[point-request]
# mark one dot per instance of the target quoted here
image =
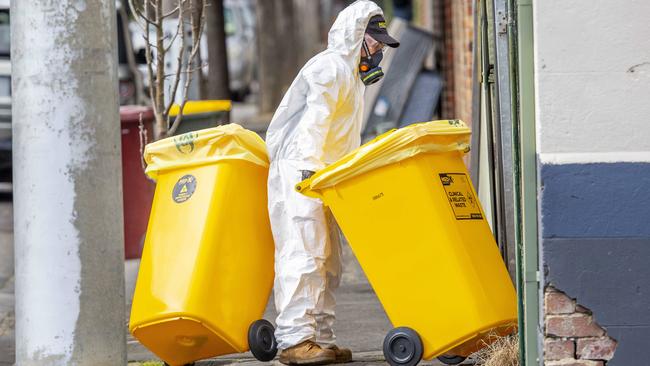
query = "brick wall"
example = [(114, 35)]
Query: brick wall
[(444, 12), (456, 59), (463, 38), (571, 336)]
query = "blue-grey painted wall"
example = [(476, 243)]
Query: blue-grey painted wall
[(596, 246)]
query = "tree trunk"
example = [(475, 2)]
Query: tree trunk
[(308, 32), (278, 62), (218, 81), (287, 43)]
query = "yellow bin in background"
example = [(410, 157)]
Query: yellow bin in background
[(207, 266), (406, 204)]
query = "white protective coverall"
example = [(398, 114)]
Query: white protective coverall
[(318, 121)]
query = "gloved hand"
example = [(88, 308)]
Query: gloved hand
[(306, 174)]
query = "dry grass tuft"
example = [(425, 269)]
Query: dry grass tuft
[(147, 363), (503, 351)]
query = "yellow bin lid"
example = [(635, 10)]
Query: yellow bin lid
[(227, 142), (201, 106), (391, 147)]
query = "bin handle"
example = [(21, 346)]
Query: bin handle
[(304, 188)]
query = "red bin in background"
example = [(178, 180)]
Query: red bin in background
[(137, 188)]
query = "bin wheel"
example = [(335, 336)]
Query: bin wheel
[(261, 340), (403, 347), (451, 360)]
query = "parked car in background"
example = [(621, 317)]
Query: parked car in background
[(239, 23)]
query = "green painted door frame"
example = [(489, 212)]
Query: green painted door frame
[(526, 183), (515, 17)]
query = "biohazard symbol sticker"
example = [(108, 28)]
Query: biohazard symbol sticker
[(460, 196), (184, 188)]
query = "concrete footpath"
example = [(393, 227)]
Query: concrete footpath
[(361, 321)]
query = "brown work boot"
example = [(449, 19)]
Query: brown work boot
[(307, 353), (343, 355)]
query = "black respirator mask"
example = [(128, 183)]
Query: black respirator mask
[(369, 69)]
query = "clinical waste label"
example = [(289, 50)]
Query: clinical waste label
[(460, 196), (184, 188)]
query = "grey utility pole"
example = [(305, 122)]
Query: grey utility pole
[(69, 251)]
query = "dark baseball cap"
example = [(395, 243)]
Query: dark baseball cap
[(377, 29)]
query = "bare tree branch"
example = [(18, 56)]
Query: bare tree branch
[(139, 14), (159, 103), (188, 71), (137, 17), (179, 66), (173, 39), (197, 31), (196, 19), (156, 41), (172, 12), (142, 133), (150, 73)]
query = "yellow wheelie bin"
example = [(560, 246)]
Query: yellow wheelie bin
[(207, 267), (407, 206)]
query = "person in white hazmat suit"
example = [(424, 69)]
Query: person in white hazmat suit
[(318, 121)]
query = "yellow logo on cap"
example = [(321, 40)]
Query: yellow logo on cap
[(382, 24)]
